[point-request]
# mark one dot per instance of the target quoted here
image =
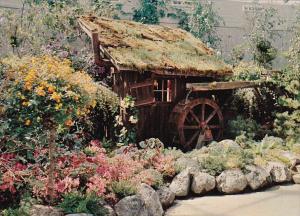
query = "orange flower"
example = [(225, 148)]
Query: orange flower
[(27, 122), (69, 123), (51, 89)]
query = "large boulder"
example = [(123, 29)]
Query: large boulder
[(257, 177), (296, 178), (166, 197), (231, 181), (131, 206), (151, 199), (279, 172), (181, 183), (38, 210), (202, 183)]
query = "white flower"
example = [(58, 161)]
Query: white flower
[(133, 120)]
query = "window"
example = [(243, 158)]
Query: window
[(143, 93), (163, 90)]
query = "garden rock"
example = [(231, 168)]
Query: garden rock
[(231, 181), (202, 183), (257, 177), (296, 178), (38, 210), (80, 214), (110, 210), (151, 200), (166, 197), (279, 172), (185, 162), (293, 159), (131, 206), (228, 144), (181, 183), (297, 168)]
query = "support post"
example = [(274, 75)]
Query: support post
[(96, 48)]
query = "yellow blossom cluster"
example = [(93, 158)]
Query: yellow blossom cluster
[(51, 82)]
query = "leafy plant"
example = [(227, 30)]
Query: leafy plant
[(247, 127), (123, 188), (126, 122), (149, 12), (220, 158), (287, 123), (77, 203)]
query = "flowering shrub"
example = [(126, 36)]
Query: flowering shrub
[(90, 171), (126, 122), (39, 90)]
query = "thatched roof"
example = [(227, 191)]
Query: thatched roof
[(159, 49)]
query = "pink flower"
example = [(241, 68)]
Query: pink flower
[(96, 184)]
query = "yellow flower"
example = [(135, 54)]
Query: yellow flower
[(57, 97), (27, 122), (69, 123), (58, 106), (94, 103), (25, 103), (40, 91)]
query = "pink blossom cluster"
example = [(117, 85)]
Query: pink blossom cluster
[(90, 170)]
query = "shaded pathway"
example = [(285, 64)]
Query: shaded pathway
[(276, 201)]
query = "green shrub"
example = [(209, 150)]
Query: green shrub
[(219, 159), (123, 188), (240, 126), (78, 203)]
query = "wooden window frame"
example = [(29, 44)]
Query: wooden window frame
[(143, 93), (170, 90)]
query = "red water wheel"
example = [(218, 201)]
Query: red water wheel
[(197, 122)]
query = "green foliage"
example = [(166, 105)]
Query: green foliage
[(123, 188), (287, 123), (150, 12), (220, 158), (240, 125), (42, 28), (247, 71), (264, 53), (22, 210), (268, 143), (203, 22), (259, 37), (77, 203)]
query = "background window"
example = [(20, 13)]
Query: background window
[(163, 90)]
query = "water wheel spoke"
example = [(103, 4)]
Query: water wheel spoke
[(197, 121), (214, 126), (202, 112), (194, 116), (193, 138), (191, 127), (211, 116)]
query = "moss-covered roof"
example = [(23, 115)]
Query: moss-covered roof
[(159, 49)]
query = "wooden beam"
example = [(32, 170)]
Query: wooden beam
[(111, 59), (221, 85), (96, 48)]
